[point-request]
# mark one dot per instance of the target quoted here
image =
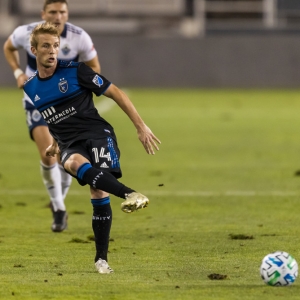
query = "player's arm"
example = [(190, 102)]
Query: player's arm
[(145, 135), (99, 85), (88, 53), (13, 59), (94, 64)]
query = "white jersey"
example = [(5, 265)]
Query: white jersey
[(75, 45)]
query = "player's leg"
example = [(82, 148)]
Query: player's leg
[(49, 167), (98, 165), (66, 180), (50, 171), (80, 167), (51, 175), (77, 161), (101, 223)]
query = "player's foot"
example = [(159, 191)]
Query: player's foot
[(60, 221), (103, 267), (134, 201)]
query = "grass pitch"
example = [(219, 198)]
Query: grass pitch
[(227, 167)]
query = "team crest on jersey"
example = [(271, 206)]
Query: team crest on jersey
[(98, 80), (63, 85), (65, 49), (36, 116)]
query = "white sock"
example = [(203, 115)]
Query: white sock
[(52, 181), (66, 180)]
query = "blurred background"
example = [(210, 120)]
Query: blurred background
[(181, 43)]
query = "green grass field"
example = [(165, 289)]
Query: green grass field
[(227, 164)]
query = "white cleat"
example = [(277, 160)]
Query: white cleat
[(103, 267), (134, 201)]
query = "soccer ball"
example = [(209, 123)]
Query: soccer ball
[(279, 269)]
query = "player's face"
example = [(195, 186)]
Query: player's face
[(47, 50), (56, 13)]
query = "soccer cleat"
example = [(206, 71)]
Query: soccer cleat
[(134, 201), (103, 267), (60, 221)]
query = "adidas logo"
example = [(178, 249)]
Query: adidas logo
[(36, 98), (104, 165)]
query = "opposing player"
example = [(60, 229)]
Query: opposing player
[(87, 143), (76, 45)]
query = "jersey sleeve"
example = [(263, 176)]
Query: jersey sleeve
[(91, 80), (19, 37), (87, 50)]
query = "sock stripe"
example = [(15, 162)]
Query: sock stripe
[(82, 169), (102, 201)]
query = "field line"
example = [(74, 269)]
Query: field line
[(39, 192)]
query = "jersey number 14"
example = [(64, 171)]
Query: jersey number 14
[(101, 154)]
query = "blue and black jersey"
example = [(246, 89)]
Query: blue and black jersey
[(65, 101)]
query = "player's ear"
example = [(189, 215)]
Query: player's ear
[(33, 50), (43, 15)]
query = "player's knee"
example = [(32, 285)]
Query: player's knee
[(98, 194), (72, 164), (47, 160)]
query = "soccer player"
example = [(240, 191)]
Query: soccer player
[(63, 93), (76, 45)]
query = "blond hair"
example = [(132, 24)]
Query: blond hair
[(42, 28), (47, 2)]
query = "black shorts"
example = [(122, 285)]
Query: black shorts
[(103, 154)]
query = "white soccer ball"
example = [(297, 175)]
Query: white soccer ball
[(279, 269)]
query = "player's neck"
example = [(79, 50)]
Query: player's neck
[(46, 72)]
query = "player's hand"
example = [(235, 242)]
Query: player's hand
[(21, 79), (148, 139), (52, 150)]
